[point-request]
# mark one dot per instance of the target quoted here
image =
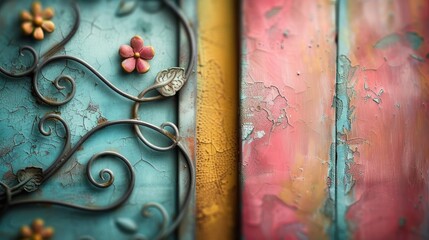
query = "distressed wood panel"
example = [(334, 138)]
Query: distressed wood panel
[(382, 130), (287, 118), (217, 107)]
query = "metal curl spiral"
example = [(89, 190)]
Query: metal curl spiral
[(57, 84), (30, 69), (53, 117), (108, 172), (67, 144)]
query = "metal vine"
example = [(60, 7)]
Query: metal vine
[(167, 83)]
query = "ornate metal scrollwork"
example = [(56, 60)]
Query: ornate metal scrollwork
[(167, 83)]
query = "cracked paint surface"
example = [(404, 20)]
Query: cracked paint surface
[(287, 118), (217, 118), (383, 162), (21, 144), (187, 120)]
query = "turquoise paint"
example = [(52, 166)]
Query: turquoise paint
[(21, 145), (344, 156), (187, 121), (388, 41), (414, 39), (330, 203)]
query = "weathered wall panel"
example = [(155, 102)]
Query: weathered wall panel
[(383, 89), (187, 117), (217, 118), (287, 118)]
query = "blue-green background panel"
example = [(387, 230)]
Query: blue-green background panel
[(97, 41)]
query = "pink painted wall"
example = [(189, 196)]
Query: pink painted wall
[(387, 42), (287, 118)]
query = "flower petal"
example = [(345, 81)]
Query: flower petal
[(38, 34), (136, 43), (47, 232), (38, 225), (27, 28), (147, 53), (129, 64), (26, 16), (48, 26), (26, 231), (142, 66), (126, 51), (48, 13), (36, 8)]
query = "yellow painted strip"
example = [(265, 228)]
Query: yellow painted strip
[(217, 118)]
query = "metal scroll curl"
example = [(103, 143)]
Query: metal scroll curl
[(34, 177), (167, 83)]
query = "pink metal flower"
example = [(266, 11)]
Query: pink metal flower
[(136, 55)]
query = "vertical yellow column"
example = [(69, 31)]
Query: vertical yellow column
[(217, 120)]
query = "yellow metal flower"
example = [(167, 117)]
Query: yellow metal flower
[(37, 231), (38, 20)]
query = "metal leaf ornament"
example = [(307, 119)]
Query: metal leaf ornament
[(127, 225), (30, 177), (126, 7), (175, 77)]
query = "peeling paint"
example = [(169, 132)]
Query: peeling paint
[(382, 130), (287, 120)]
